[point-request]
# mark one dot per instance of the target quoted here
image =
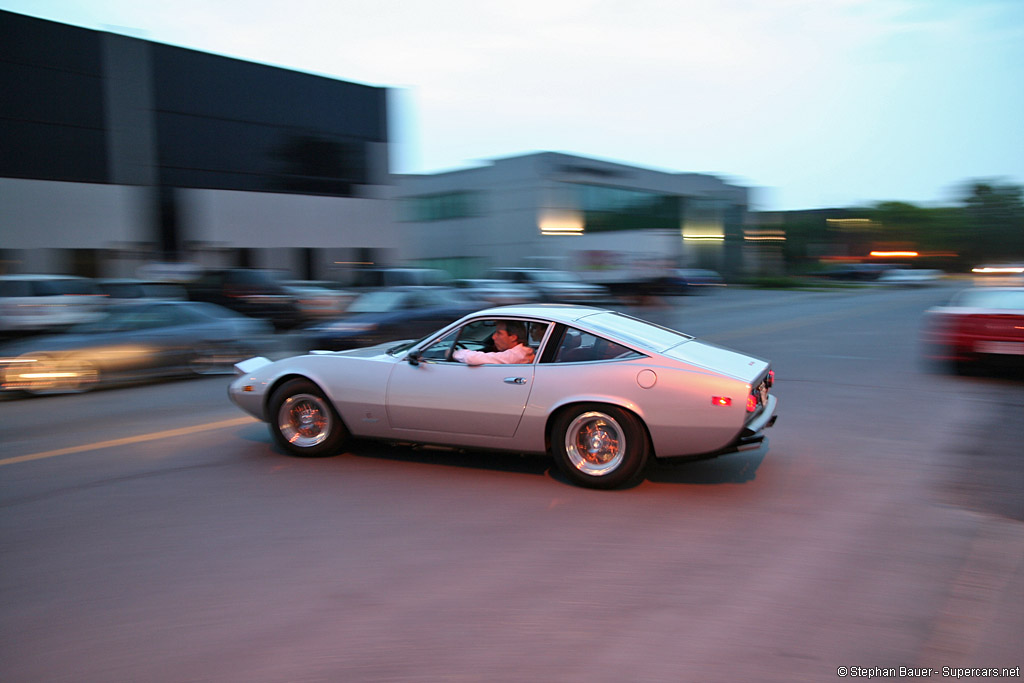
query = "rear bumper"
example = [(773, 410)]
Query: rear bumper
[(752, 434), (751, 437)]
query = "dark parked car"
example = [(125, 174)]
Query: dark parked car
[(128, 290), (388, 315), (255, 293), (366, 278), (857, 272), (132, 341)]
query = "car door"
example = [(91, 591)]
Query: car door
[(437, 395)]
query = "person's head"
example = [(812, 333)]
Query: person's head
[(508, 333)]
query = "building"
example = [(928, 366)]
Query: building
[(118, 152), (570, 212)]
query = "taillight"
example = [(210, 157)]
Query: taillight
[(751, 403)]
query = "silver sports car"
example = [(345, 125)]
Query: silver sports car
[(604, 393)]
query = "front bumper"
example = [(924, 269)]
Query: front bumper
[(246, 391)]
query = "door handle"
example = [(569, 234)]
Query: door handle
[(515, 380)]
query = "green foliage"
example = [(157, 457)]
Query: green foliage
[(987, 226)]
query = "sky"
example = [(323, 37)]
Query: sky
[(811, 103)]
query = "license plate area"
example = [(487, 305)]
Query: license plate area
[(1000, 347)]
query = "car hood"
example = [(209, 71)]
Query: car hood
[(366, 351), (719, 359), (53, 343)]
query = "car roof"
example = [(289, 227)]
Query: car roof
[(41, 277)]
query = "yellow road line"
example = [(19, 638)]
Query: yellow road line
[(141, 438)]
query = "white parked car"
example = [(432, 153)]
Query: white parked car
[(910, 276), (553, 285), (30, 303)]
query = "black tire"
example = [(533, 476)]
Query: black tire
[(616, 454), (303, 422)]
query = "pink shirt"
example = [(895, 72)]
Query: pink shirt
[(520, 353)]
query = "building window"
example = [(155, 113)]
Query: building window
[(440, 207), (614, 208)]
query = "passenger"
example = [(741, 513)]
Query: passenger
[(508, 340)]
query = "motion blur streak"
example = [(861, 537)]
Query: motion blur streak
[(800, 321), (154, 436)]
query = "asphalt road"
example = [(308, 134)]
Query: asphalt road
[(153, 533)]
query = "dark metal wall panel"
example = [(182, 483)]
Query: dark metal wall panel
[(51, 111), (213, 122), (229, 124)]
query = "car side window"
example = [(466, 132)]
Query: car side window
[(577, 346)]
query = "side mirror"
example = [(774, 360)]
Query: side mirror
[(414, 358)]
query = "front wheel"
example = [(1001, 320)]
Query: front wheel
[(599, 446), (303, 421)]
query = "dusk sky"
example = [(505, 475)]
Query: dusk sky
[(814, 103)]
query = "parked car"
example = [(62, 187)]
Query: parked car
[(364, 278), (605, 393), (856, 272), (980, 324), (387, 315), (497, 292), (254, 293), (128, 290), (910, 277), (32, 303), (317, 300), (691, 281), (129, 342), (553, 285)]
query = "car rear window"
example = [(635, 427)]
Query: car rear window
[(635, 331)]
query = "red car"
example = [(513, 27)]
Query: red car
[(986, 323)]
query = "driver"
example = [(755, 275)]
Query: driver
[(508, 337)]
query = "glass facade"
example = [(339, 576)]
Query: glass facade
[(612, 208), (440, 207), (218, 123), (228, 124)]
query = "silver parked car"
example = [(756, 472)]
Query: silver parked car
[(131, 341), (604, 393)]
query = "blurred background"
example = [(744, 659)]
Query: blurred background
[(136, 171)]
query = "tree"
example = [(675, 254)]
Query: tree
[(994, 221)]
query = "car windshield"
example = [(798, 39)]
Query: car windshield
[(377, 302), (1010, 299), (634, 331)]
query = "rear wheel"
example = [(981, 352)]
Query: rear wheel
[(599, 446), (304, 422)]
